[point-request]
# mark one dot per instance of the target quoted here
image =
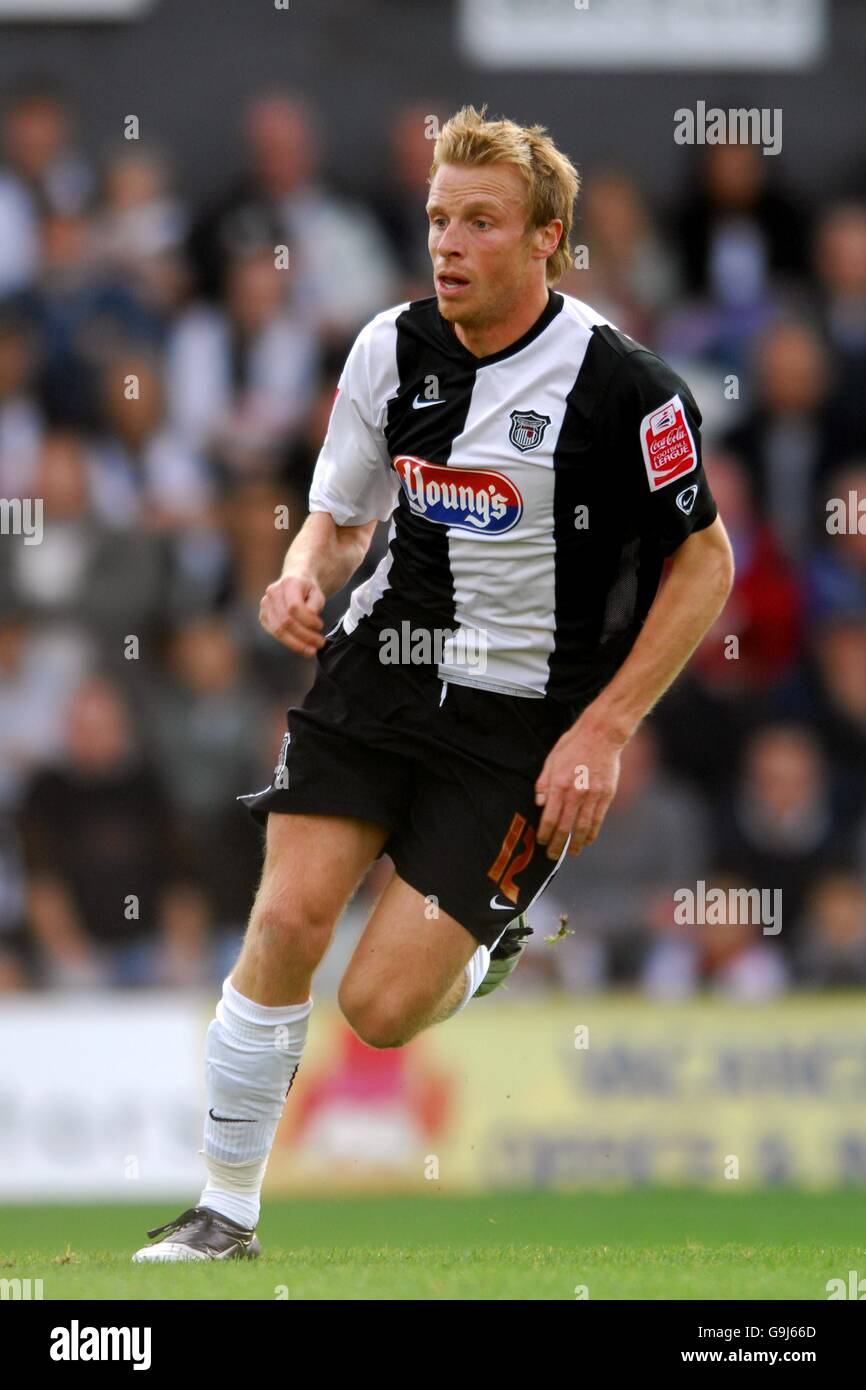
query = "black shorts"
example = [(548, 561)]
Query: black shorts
[(449, 769)]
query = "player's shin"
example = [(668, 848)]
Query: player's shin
[(252, 1053)]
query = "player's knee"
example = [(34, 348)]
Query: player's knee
[(380, 1032), (375, 1023), (288, 929)]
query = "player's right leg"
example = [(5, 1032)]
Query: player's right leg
[(312, 866), (254, 1044)]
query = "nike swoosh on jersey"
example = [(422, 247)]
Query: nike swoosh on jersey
[(418, 404), (503, 907)]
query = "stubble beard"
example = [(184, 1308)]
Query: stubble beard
[(483, 316)]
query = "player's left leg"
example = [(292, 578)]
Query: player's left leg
[(488, 969), (409, 968), (468, 865)]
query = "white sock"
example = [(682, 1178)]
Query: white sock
[(474, 972), (251, 1055)]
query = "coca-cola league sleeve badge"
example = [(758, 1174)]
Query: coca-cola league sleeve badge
[(667, 443)]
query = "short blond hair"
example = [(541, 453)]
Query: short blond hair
[(552, 182)]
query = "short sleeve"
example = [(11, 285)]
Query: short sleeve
[(353, 479), (651, 430)]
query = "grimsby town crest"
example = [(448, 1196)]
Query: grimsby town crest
[(527, 429)]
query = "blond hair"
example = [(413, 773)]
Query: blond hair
[(552, 182)]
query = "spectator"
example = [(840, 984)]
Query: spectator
[(38, 673), (83, 316), (732, 958), (141, 229), (302, 447), (147, 475), (21, 422), (829, 693), (15, 953), (401, 201), (283, 200), (42, 172), (785, 439), (82, 575), (833, 951), (741, 246), (204, 728), (835, 574), (763, 611), (840, 262), (736, 231), (630, 276), (784, 825), (100, 856), (238, 379)]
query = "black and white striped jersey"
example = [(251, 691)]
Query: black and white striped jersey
[(532, 494)]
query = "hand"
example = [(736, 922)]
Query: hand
[(576, 786), (290, 612)]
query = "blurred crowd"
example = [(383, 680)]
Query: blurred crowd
[(166, 374)]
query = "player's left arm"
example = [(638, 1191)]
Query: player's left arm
[(651, 424), (692, 597)]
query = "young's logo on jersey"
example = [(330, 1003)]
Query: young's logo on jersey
[(527, 429), (667, 443), (472, 499), (686, 499)]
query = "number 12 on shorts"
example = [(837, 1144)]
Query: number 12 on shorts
[(505, 867)]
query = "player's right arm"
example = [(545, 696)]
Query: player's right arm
[(321, 559), (354, 487)]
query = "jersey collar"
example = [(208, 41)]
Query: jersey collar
[(552, 308)]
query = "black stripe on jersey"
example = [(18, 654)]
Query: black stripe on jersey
[(419, 548), (452, 345), (601, 570)]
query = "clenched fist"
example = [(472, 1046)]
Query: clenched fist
[(290, 610)]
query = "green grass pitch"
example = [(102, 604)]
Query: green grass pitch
[(649, 1243)]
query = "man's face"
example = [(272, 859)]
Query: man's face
[(483, 257)]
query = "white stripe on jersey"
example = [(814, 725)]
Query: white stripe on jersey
[(505, 585), (353, 480), (362, 599), (352, 444)]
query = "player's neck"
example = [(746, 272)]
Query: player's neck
[(483, 341)]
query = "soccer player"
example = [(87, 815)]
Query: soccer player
[(537, 467)]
